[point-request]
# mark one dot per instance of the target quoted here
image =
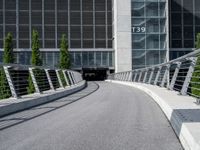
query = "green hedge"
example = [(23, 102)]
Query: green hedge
[(195, 81), (4, 87)]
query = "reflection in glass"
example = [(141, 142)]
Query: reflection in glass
[(163, 56), (153, 41), (146, 46), (153, 26), (111, 60), (138, 58), (78, 59), (91, 59), (85, 58), (152, 58), (72, 59), (105, 59), (98, 58)]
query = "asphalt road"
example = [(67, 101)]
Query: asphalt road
[(111, 117)]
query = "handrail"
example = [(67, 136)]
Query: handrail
[(17, 79), (181, 74)]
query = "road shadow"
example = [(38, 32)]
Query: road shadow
[(29, 114)]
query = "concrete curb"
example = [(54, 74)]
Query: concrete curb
[(181, 129), (15, 105)]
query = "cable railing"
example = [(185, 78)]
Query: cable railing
[(181, 74), (18, 80)]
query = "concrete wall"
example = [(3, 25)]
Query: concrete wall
[(12, 105), (122, 35)]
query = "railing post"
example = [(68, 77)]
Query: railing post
[(173, 81), (37, 89), (133, 74), (157, 75), (115, 77), (145, 76), (70, 77), (140, 76), (119, 76), (49, 79), (151, 76), (189, 75), (65, 76), (127, 76), (59, 79), (130, 76), (10, 82), (123, 78), (165, 76), (73, 78), (135, 77)]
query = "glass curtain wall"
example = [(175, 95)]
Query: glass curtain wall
[(184, 26), (149, 42), (86, 23), (84, 59), (92, 59)]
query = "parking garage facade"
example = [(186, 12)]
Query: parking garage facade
[(103, 35), (87, 24)]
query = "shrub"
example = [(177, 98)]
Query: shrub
[(35, 58), (64, 58), (196, 74), (8, 57)]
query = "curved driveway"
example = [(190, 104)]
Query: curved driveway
[(115, 117)]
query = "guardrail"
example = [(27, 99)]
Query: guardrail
[(17, 80), (181, 74)]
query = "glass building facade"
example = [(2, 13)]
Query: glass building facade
[(184, 26), (161, 29), (87, 24), (149, 32)]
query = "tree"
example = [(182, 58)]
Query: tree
[(8, 57), (64, 58), (64, 54), (195, 81), (35, 58)]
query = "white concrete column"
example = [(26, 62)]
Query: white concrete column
[(122, 35)]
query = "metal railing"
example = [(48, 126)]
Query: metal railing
[(181, 74), (18, 80)]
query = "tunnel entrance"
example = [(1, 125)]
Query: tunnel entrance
[(95, 74)]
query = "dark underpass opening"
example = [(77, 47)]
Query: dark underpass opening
[(95, 74)]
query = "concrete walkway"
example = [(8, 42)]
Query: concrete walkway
[(181, 111), (114, 117)]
